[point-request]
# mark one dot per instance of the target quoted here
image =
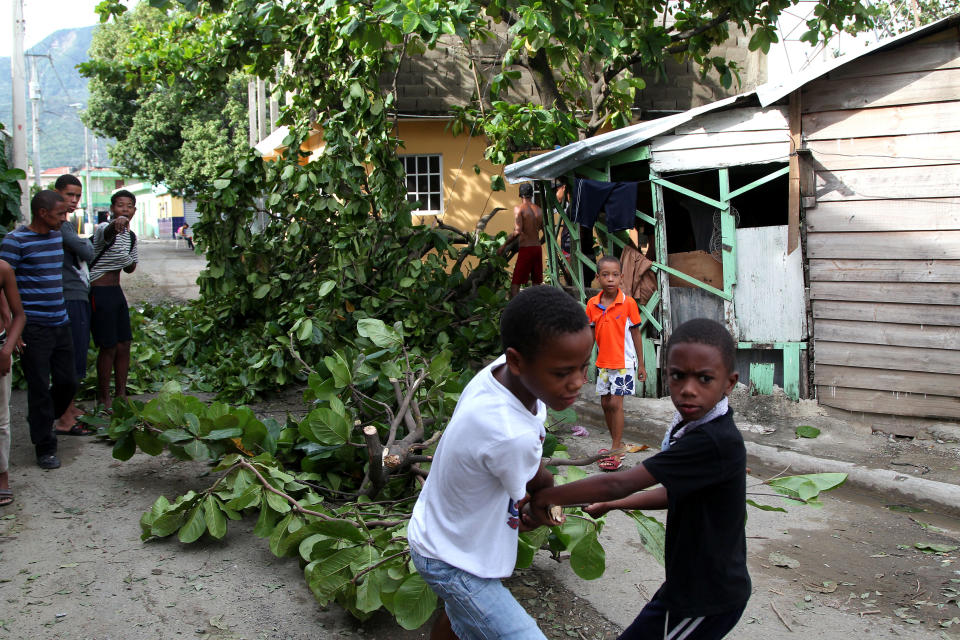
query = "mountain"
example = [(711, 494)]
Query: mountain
[(61, 132)]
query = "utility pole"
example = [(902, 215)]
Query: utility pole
[(87, 196), (19, 131), (35, 109), (85, 170)]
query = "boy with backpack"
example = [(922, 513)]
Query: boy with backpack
[(115, 250), (701, 470)]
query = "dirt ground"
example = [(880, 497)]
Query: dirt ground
[(72, 566)]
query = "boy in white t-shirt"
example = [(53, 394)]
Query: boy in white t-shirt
[(463, 534)]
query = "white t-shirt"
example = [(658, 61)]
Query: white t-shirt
[(465, 515)]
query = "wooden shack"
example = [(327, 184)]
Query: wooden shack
[(829, 204)]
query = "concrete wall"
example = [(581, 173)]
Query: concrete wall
[(681, 88)]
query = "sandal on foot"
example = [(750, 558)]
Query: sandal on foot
[(609, 463), (76, 430), (6, 497)]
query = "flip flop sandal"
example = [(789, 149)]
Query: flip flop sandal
[(609, 463), (6, 497), (76, 430)]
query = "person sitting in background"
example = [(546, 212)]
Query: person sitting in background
[(186, 233)]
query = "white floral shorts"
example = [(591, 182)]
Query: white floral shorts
[(616, 382)]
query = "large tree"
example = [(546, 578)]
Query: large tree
[(330, 240), (163, 132)]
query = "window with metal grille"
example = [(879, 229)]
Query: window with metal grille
[(424, 183)]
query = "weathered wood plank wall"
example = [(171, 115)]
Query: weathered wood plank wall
[(883, 241), (724, 139)]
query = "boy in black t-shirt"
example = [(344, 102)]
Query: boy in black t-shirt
[(702, 472)]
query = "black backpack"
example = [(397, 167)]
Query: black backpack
[(133, 243)]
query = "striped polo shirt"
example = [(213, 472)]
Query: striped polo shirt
[(37, 261), (122, 253)]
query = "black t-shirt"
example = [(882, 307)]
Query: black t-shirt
[(704, 473)]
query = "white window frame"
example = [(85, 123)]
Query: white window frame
[(417, 195)]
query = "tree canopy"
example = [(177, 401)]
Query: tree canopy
[(163, 133)]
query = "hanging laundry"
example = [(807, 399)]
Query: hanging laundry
[(618, 199)]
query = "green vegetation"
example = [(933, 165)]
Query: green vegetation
[(10, 191), (162, 133)]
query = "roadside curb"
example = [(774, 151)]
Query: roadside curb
[(891, 486)]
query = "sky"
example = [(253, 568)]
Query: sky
[(43, 17)]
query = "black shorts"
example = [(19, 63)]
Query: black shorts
[(109, 316)]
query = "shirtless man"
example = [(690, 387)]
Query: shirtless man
[(115, 247), (528, 220)]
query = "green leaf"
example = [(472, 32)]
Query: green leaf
[(414, 602), (653, 535), (306, 330), (275, 502), (195, 526), (262, 291), (340, 530), (124, 448), (221, 184), (588, 559), (148, 443), (325, 426), (166, 524), (325, 287), (249, 498), (806, 431), (379, 333), (368, 591), (214, 518), (197, 450), (935, 547), (765, 507)]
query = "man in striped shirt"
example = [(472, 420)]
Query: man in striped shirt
[(35, 252), (115, 250)]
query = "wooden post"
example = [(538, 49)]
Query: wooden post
[(550, 234), (728, 251), (660, 237), (793, 206), (791, 370)]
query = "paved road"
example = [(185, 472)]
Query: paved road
[(165, 271)]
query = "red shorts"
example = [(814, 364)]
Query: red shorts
[(529, 265)]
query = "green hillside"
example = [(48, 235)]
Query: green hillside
[(61, 133)]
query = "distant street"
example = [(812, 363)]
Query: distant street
[(165, 271)]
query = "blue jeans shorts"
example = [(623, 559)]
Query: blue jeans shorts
[(616, 382), (478, 608)]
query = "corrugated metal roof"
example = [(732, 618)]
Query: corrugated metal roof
[(560, 161)]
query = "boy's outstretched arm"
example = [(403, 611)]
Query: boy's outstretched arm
[(652, 499), (596, 488)]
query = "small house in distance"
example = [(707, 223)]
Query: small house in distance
[(818, 217)]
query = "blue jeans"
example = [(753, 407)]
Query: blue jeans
[(478, 608), (47, 362), (79, 313)]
